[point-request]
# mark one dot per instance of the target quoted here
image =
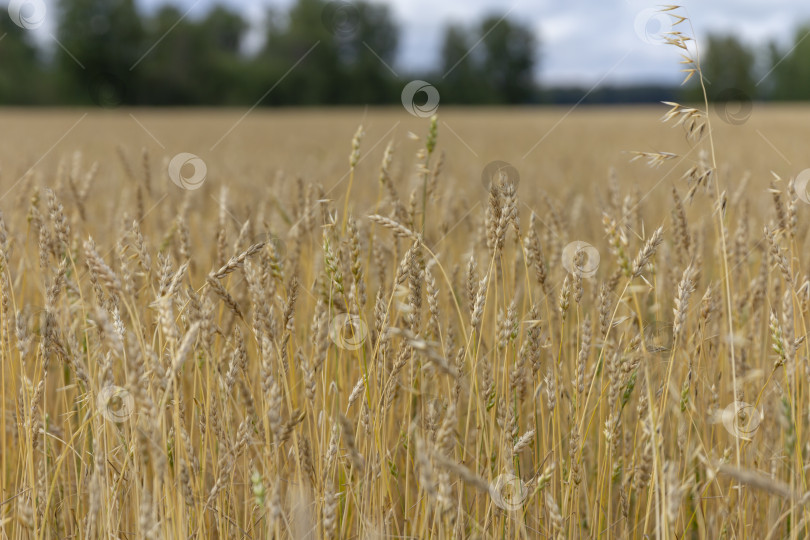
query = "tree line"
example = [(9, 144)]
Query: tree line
[(108, 53), (735, 71)]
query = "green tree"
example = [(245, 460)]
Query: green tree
[(492, 63), (366, 51), (168, 71), (728, 71), (509, 58), (789, 78), (462, 79), (336, 50), (300, 60), (195, 62), (101, 40), (20, 66)]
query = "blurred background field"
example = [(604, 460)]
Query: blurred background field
[(555, 149)]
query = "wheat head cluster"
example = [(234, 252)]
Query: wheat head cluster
[(314, 372)]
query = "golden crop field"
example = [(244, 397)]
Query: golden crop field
[(302, 329)]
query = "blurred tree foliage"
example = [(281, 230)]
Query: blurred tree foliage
[(21, 72), (108, 53), (99, 41), (492, 63), (728, 70), (329, 54), (790, 75), (195, 62), (735, 71)]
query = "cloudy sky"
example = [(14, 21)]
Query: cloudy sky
[(582, 41)]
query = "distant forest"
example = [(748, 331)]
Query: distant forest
[(108, 53)]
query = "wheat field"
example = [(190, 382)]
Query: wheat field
[(488, 323)]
